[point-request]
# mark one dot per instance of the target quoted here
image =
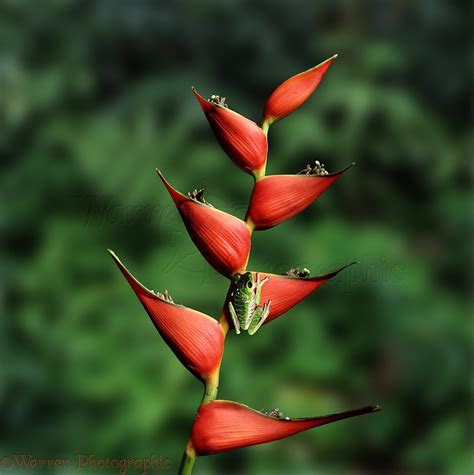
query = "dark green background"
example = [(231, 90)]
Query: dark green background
[(96, 94)]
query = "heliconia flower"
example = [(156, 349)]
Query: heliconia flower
[(285, 291), (292, 93), (226, 425), (241, 139), (195, 338), (277, 198), (222, 239)]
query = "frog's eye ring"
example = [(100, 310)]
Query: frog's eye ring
[(249, 284)]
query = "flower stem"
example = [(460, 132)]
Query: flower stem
[(187, 462), (265, 126), (210, 387), (210, 393), (223, 322)]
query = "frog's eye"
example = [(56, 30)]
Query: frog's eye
[(249, 284)]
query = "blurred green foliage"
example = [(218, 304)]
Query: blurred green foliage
[(96, 94)]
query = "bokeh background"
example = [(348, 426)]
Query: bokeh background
[(96, 94)]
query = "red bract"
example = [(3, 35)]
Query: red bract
[(222, 239), (195, 338), (286, 291), (277, 198), (241, 139), (226, 425), (292, 93)]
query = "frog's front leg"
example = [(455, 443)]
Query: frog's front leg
[(259, 286), (259, 317), (234, 318)]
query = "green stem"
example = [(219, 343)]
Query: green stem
[(257, 174), (189, 454), (210, 388), (187, 462)]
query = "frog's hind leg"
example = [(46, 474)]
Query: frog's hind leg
[(261, 314), (234, 318)]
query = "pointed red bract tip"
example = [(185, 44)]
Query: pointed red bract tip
[(285, 291), (176, 196), (225, 425), (222, 239), (206, 105), (292, 93), (240, 138), (195, 338), (277, 198)]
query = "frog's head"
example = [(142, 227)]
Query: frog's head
[(244, 281)]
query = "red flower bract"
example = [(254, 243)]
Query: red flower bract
[(222, 239), (286, 291), (292, 93), (195, 338), (226, 425), (240, 138), (277, 198)]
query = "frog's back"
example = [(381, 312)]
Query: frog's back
[(244, 305)]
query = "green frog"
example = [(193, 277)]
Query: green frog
[(244, 303)]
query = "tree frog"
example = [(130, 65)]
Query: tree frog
[(244, 303)]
